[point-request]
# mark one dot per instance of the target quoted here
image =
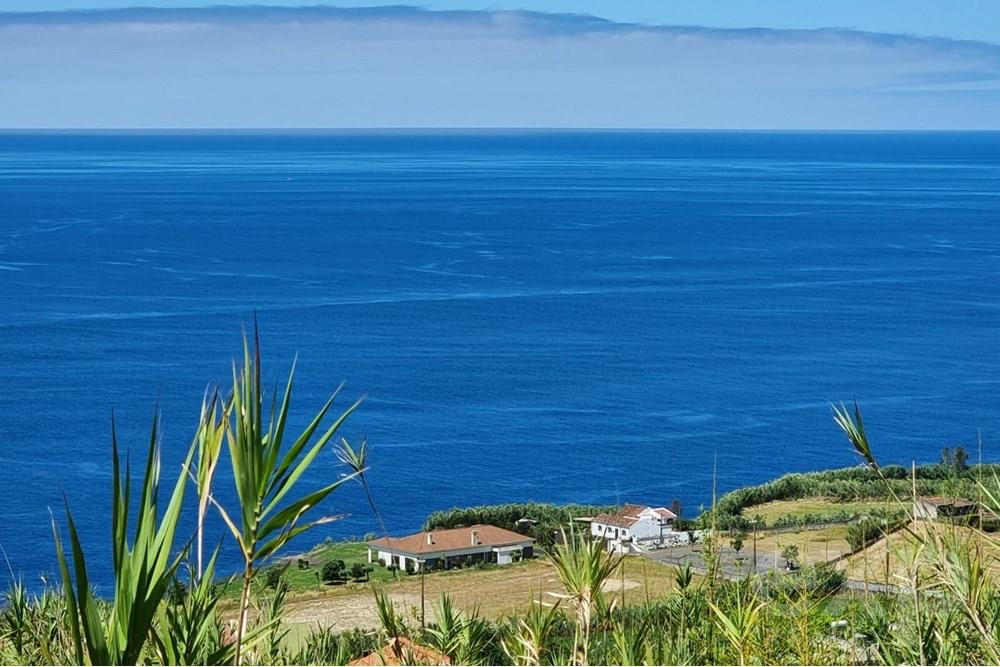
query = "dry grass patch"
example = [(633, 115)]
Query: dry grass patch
[(494, 592), (815, 546), (887, 560)]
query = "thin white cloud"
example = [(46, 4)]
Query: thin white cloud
[(405, 67)]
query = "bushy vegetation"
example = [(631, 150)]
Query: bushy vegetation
[(542, 521), (872, 529)]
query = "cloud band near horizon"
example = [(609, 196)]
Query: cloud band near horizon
[(259, 67)]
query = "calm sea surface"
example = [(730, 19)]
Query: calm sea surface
[(559, 317)]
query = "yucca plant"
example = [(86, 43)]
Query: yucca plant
[(584, 568), (16, 622), (208, 440), (630, 642), (143, 568), (740, 622), (190, 630), (683, 577), (266, 471), (33, 628), (528, 637), (392, 623), (322, 647), (462, 637)]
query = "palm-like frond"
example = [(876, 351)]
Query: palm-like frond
[(266, 470)]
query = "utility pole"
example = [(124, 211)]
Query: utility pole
[(887, 559), (754, 522), (422, 572)]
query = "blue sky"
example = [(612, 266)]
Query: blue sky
[(644, 64)]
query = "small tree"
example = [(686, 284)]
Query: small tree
[(359, 571), (737, 543), (947, 459), (683, 576), (333, 571), (273, 577), (961, 459), (790, 553), (676, 508)]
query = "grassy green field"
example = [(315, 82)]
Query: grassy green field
[(812, 506), (306, 579)]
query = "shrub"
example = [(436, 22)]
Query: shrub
[(870, 530), (811, 581), (359, 571), (333, 571), (273, 577)]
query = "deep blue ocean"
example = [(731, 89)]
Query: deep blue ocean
[(567, 317)]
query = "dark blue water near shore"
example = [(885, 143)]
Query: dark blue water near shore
[(561, 317)]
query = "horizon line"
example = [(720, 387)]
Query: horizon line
[(481, 130)]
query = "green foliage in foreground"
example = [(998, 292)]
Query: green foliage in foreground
[(542, 521)]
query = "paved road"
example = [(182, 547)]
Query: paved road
[(735, 566)]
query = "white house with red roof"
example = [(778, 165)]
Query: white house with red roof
[(447, 547), (638, 525)]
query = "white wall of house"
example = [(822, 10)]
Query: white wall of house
[(607, 532), (505, 554), (650, 526)]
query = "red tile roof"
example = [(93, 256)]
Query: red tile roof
[(452, 539), (628, 515), (401, 651), (939, 501)]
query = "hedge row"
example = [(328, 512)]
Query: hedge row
[(538, 520), (845, 485)]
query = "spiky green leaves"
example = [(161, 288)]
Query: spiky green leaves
[(854, 428), (144, 568), (265, 471)]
